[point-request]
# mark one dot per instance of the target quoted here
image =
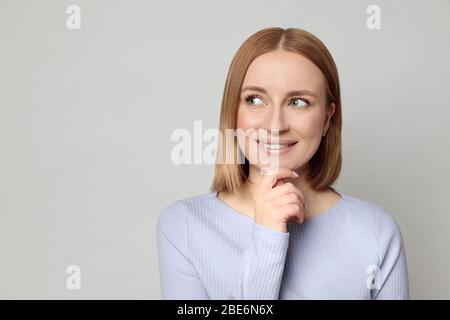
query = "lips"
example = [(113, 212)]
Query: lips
[(276, 144)]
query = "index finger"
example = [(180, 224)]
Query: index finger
[(271, 177)]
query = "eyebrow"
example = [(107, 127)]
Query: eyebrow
[(290, 93)]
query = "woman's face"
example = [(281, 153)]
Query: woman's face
[(283, 93)]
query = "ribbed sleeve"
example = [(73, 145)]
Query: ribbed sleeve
[(393, 277), (178, 277), (263, 264)]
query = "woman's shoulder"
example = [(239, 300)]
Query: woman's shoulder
[(370, 215), (175, 215), (183, 204)]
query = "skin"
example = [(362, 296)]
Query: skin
[(284, 196)]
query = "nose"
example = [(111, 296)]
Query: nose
[(277, 121)]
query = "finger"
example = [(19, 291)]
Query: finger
[(294, 212), (290, 211), (271, 177), (280, 182), (286, 188), (289, 198)]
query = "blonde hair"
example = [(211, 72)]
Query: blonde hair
[(325, 165)]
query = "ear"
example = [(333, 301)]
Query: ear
[(330, 113)]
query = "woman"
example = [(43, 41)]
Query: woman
[(282, 233)]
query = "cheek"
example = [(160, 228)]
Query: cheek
[(248, 123), (248, 120), (308, 129), (307, 126), (244, 122)]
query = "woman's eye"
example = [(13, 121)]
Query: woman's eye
[(299, 102), (253, 100)]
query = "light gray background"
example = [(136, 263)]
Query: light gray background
[(86, 118)]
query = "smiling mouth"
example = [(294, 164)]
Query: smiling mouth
[(281, 145)]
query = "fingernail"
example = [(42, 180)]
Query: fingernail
[(295, 174)]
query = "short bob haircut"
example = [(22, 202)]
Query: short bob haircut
[(325, 165)]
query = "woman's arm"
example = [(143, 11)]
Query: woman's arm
[(178, 277), (262, 265), (275, 202), (393, 279)]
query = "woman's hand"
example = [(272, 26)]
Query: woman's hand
[(277, 202)]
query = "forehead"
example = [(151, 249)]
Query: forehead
[(283, 71)]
